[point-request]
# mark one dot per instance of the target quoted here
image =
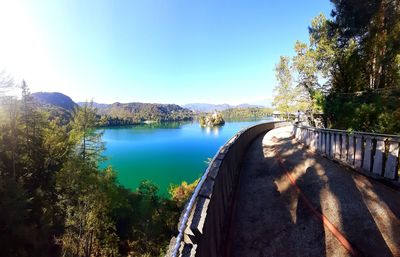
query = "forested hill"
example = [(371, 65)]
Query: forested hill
[(57, 105), (246, 113), (129, 113), (55, 99), (61, 105)]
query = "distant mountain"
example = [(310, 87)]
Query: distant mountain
[(96, 105), (55, 99), (248, 106), (203, 107)]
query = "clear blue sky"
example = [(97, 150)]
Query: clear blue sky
[(168, 51)]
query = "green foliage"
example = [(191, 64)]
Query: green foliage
[(84, 134), (289, 98), (55, 201), (88, 227), (246, 113), (369, 111), (366, 88), (181, 193), (284, 91), (211, 120), (350, 68), (134, 113), (202, 121)]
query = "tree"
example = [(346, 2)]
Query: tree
[(181, 193), (89, 229), (374, 26), (284, 100), (56, 201), (84, 133), (351, 67)]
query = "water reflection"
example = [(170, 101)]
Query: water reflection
[(212, 130)]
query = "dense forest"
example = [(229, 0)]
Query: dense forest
[(116, 114), (349, 70), (246, 113), (54, 198), (133, 113)]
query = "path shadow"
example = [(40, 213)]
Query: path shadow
[(264, 224), (271, 219), (352, 214)]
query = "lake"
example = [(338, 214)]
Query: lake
[(164, 153)]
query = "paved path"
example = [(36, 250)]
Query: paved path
[(275, 216)]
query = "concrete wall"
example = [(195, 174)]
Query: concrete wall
[(376, 155), (205, 221)]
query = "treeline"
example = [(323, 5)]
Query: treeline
[(110, 121), (56, 201), (135, 113), (349, 69), (246, 113)]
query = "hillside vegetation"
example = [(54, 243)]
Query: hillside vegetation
[(246, 113), (211, 120), (349, 69), (55, 99), (55, 200), (60, 105), (131, 113)]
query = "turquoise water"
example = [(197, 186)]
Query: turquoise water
[(164, 153)]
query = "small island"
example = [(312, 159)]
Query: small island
[(212, 120)]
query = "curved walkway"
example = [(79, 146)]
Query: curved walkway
[(303, 204)]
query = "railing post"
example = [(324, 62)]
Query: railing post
[(324, 142), (378, 157), (321, 140), (316, 140), (312, 139), (337, 146), (301, 134), (306, 137), (333, 144), (358, 153), (392, 160), (343, 155), (350, 152), (298, 131), (356, 149), (367, 154)]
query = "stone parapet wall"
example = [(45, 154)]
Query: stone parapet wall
[(376, 155), (204, 224)]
